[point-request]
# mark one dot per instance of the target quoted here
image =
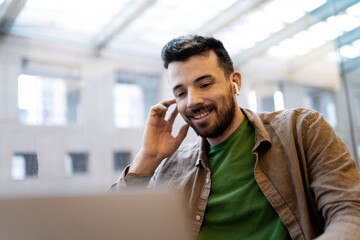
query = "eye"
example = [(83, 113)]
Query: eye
[(179, 94), (204, 85)]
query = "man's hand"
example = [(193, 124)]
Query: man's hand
[(158, 142)]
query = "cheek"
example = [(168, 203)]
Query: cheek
[(181, 107)]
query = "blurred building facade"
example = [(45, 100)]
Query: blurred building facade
[(72, 111)]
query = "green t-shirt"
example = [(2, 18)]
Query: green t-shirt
[(236, 208)]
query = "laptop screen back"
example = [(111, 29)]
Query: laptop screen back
[(133, 216)]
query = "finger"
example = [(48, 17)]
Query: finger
[(173, 116), (168, 102), (158, 110), (182, 133)]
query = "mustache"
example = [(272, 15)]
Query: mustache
[(194, 111)]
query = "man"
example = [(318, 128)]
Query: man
[(282, 175)]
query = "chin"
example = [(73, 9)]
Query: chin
[(206, 132)]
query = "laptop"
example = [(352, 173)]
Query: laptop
[(131, 216)]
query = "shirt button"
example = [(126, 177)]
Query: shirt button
[(197, 217)]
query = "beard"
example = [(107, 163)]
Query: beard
[(225, 114)]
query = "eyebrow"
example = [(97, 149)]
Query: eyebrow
[(196, 80)]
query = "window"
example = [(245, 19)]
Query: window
[(252, 100), (76, 163), (121, 160), (267, 104), (270, 103), (133, 95), (47, 100), (24, 165), (322, 101), (356, 92), (129, 105), (279, 101)]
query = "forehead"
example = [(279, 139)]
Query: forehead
[(194, 67)]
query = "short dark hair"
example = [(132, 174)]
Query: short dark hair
[(184, 47)]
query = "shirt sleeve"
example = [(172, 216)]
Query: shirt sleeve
[(334, 180), (130, 180)]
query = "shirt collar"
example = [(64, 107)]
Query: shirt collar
[(202, 158), (261, 134)]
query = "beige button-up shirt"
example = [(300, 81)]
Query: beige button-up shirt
[(303, 168)]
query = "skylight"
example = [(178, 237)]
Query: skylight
[(349, 51), (354, 10), (263, 21), (307, 5), (303, 42), (268, 19), (308, 39), (324, 30), (279, 52), (299, 44), (344, 22), (276, 9), (168, 19), (356, 44), (145, 32), (79, 19), (294, 46)]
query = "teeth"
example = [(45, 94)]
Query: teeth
[(201, 115)]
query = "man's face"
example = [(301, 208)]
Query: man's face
[(204, 96)]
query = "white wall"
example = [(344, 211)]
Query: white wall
[(95, 135)]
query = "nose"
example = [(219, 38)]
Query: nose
[(194, 99)]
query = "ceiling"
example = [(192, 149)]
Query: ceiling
[(286, 29)]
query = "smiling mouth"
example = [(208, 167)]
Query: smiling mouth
[(201, 114)]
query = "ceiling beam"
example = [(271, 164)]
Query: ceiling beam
[(348, 37), (122, 20), (9, 10), (313, 55), (305, 22), (228, 16)]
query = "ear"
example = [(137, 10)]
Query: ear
[(236, 79)]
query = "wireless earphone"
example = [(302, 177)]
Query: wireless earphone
[(236, 88)]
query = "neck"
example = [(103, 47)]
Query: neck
[(238, 118)]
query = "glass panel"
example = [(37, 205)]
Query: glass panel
[(252, 100), (356, 92), (121, 160), (76, 163), (46, 101), (279, 101), (161, 22), (133, 95), (66, 19), (323, 101), (24, 165), (128, 105), (267, 104)]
